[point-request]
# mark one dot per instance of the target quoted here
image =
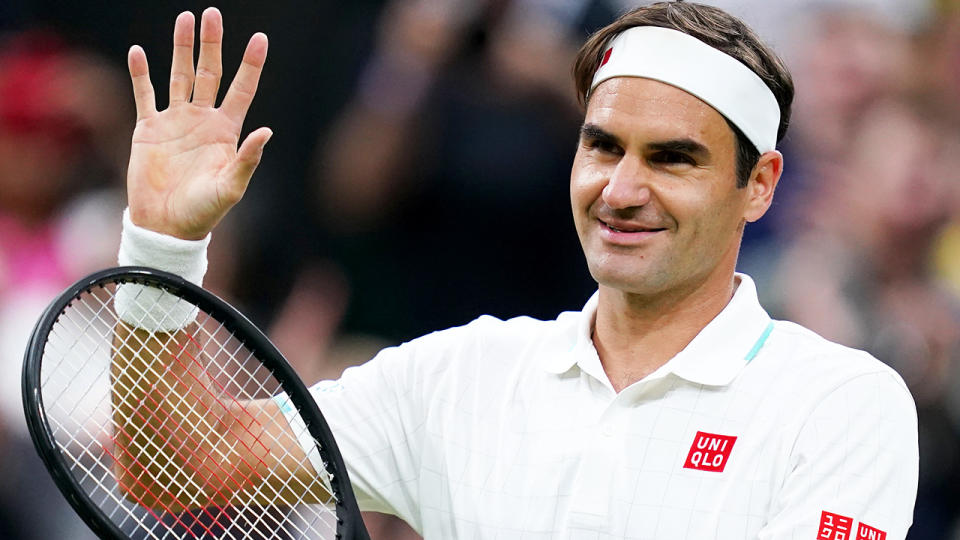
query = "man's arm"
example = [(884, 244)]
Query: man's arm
[(186, 171), (853, 466)]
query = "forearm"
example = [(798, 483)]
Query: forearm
[(184, 439), (156, 381), (170, 427), (180, 443)]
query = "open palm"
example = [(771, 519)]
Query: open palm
[(186, 170)]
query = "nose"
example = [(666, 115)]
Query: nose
[(628, 185)]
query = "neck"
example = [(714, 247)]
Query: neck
[(635, 334)]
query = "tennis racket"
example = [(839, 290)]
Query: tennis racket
[(171, 434)]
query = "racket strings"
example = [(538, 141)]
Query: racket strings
[(266, 485), (220, 348), (189, 411), (251, 418)]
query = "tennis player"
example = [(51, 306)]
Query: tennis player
[(671, 406)]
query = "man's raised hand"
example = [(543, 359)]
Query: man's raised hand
[(185, 170)]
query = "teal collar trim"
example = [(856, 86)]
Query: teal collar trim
[(759, 344)]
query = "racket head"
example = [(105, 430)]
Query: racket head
[(66, 400)]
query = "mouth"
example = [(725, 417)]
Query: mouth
[(632, 229), (627, 234), (629, 228)]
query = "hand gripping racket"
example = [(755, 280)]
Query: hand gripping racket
[(200, 430)]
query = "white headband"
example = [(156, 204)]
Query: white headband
[(684, 61)]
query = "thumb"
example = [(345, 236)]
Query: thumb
[(248, 157)]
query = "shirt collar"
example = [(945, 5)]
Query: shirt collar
[(714, 357), (581, 351)]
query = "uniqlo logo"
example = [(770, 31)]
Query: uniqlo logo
[(834, 527), (866, 532), (606, 57), (709, 452)]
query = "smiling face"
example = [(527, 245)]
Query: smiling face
[(653, 189)]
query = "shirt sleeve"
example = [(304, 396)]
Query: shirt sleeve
[(376, 420), (853, 467)]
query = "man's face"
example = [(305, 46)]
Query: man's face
[(653, 188)]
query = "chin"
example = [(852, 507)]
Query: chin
[(632, 281)]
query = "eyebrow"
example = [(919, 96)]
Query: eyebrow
[(596, 133), (684, 145)]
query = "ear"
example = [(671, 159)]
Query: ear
[(763, 182)]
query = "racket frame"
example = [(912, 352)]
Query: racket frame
[(349, 522)]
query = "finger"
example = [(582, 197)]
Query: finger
[(142, 88), (244, 85), (209, 64), (248, 157), (181, 70)]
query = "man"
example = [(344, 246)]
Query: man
[(671, 406)]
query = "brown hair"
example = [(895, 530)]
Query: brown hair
[(717, 29)]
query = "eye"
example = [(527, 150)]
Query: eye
[(603, 146), (670, 157)]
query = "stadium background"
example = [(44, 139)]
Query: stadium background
[(418, 178)]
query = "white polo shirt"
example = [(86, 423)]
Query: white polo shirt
[(511, 429)]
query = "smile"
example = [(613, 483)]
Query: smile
[(623, 233), (614, 229)]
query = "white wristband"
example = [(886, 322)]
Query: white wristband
[(307, 443), (147, 307)]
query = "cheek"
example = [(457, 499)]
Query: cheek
[(586, 185), (718, 221)]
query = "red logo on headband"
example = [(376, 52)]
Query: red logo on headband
[(606, 57)]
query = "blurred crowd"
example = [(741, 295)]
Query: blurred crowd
[(425, 183)]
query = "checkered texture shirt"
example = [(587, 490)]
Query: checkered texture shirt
[(511, 429)]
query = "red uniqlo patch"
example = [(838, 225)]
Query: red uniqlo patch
[(606, 56), (866, 532), (834, 527), (709, 452)]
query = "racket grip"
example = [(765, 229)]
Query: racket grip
[(147, 307)]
